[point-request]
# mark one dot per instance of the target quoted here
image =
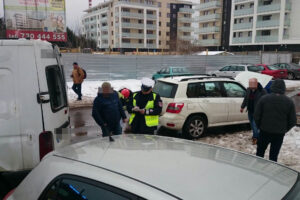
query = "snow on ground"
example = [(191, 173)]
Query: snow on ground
[(242, 141), (292, 84)]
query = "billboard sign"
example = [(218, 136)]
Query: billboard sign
[(36, 19)]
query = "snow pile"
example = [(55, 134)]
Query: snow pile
[(292, 84), (242, 141)]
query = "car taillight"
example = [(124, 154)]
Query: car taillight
[(175, 107), (46, 143), (8, 194)]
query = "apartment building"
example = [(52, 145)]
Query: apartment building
[(265, 25), (129, 25)]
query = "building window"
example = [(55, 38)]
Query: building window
[(266, 17), (159, 42), (112, 32), (251, 19), (168, 33), (213, 36), (242, 6), (235, 21), (140, 21), (240, 34), (174, 15), (149, 22), (140, 11), (241, 20), (168, 5), (167, 42), (266, 32), (150, 32), (159, 33), (141, 41), (150, 12), (204, 37), (251, 5), (126, 30), (174, 6), (159, 4), (160, 14), (125, 40), (168, 24), (112, 23), (112, 42), (205, 25), (140, 31), (168, 15), (250, 34), (159, 23), (234, 34)]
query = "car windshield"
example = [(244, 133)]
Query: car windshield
[(167, 90), (272, 67)]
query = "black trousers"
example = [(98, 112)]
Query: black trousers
[(77, 89), (264, 139)]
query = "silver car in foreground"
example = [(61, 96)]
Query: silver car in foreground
[(152, 167)]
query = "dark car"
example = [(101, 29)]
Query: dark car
[(292, 68), (273, 71)]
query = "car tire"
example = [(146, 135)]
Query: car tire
[(291, 76), (214, 75), (194, 127)]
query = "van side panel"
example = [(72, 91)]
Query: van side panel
[(10, 137), (30, 110)]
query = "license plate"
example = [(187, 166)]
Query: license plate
[(281, 72)]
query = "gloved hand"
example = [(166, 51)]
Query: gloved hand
[(136, 109)]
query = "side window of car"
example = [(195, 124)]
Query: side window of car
[(82, 189), (167, 71), (224, 69), (233, 68), (234, 90), (175, 70), (196, 90), (240, 68), (213, 89), (252, 68), (283, 66)]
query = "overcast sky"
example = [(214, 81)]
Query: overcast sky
[(74, 11)]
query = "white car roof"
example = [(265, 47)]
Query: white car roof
[(23, 42), (195, 78), (186, 169)]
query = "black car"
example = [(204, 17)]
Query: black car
[(292, 68)]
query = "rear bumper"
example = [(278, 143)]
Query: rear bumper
[(172, 121)]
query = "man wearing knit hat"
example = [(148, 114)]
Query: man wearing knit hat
[(145, 107), (274, 115)]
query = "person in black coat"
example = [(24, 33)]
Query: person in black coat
[(274, 115), (143, 119), (254, 92), (108, 111)]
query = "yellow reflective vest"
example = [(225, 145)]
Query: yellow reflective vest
[(151, 120)]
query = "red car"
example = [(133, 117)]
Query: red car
[(273, 71)]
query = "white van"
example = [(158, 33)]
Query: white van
[(33, 103)]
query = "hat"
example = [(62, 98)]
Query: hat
[(147, 82), (125, 92), (75, 63)]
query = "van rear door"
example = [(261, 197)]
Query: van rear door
[(52, 95)]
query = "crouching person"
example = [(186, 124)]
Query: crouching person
[(108, 111)]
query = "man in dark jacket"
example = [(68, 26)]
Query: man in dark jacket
[(145, 107), (108, 111), (254, 92), (274, 115)]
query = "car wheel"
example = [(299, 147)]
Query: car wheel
[(214, 75), (194, 127), (291, 76)]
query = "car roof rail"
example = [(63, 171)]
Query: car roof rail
[(178, 75), (206, 77)]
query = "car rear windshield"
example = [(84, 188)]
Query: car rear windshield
[(253, 68), (167, 90)]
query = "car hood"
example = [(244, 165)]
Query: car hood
[(186, 169), (244, 77)]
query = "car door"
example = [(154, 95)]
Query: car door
[(235, 94), (223, 72), (232, 71), (207, 97)]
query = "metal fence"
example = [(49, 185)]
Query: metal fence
[(119, 67)]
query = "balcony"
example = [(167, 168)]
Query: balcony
[(209, 5), (133, 35), (208, 18), (266, 38), (268, 8), (131, 25), (241, 40), (150, 16), (186, 29), (103, 37), (206, 30), (243, 1), (287, 22), (133, 45), (104, 46), (104, 19), (136, 4), (104, 28), (151, 46), (210, 42), (131, 15), (151, 27), (151, 36), (267, 23), (185, 37), (186, 10), (242, 26), (241, 12), (185, 20)]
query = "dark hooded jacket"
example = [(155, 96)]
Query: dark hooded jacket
[(258, 93), (275, 113), (108, 110)]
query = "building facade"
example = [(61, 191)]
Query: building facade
[(132, 25), (265, 25)]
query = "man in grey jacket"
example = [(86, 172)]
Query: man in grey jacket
[(274, 115)]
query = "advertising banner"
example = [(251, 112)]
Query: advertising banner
[(36, 19)]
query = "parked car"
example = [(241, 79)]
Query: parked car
[(273, 71), (233, 70), (139, 167), (171, 71), (292, 68), (33, 103), (192, 104)]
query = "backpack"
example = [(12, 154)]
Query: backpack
[(84, 72)]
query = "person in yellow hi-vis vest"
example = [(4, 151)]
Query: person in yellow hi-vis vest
[(145, 107)]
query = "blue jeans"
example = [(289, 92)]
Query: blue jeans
[(117, 130), (77, 89), (253, 125)]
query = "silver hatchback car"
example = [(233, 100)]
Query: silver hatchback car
[(156, 168), (233, 70)]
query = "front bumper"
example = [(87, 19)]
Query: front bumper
[(172, 121)]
